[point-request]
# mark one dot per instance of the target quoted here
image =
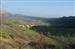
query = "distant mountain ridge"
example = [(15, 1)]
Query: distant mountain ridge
[(54, 21), (20, 16), (63, 21)]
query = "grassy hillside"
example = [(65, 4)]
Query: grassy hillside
[(20, 33), (12, 36)]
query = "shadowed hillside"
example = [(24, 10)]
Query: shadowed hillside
[(62, 29)]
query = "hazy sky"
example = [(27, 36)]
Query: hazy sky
[(40, 8)]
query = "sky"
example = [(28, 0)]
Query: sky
[(40, 8)]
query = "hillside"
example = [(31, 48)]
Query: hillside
[(26, 32), (62, 29), (14, 34), (68, 22)]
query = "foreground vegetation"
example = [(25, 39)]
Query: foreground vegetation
[(34, 34), (12, 36)]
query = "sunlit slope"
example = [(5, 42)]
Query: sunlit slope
[(12, 36)]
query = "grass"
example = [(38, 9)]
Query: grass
[(15, 37)]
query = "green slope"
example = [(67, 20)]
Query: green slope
[(14, 37)]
